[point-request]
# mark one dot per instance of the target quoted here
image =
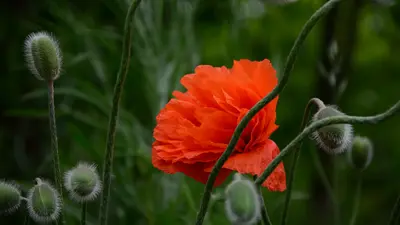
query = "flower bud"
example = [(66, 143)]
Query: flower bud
[(242, 202), (83, 182), (334, 138), (10, 198), (43, 202), (360, 155), (43, 56)]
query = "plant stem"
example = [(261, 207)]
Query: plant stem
[(325, 122), (264, 213), (27, 219), (83, 213), (54, 143), (317, 102), (121, 76), (325, 181), (256, 108), (356, 200), (334, 188), (394, 216)]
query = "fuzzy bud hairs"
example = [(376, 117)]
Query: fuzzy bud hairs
[(43, 56), (335, 138)]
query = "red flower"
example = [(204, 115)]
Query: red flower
[(195, 127)]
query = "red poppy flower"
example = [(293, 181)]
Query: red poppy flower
[(195, 127)]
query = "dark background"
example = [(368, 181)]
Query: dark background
[(350, 59)]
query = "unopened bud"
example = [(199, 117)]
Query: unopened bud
[(83, 182), (334, 138), (43, 56), (43, 201), (242, 202), (10, 198), (361, 153)]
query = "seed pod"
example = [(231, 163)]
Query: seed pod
[(334, 138), (360, 155), (242, 202), (83, 182), (10, 198), (43, 56), (43, 201)]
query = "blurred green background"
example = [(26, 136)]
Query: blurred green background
[(351, 59)]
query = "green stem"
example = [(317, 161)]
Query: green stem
[(256, 108), (54, 143), (356, 200), (325, 122), (317, 102), (214, 200), (123, 70), (264, 213), (27, 219), (325, 182), (335, 194), (395, 213), (83, 213)]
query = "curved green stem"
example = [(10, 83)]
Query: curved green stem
[(326, 183), (256, 108), (321, 123), (54, 143), (395, 215), (264, 213), (83, 213), (27, 220), (123, 70), (356, 200), (317, 102), (335, 201)]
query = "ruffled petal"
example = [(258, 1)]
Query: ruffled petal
[(261, 74), (195, 127), (195, 171), (256, 161)]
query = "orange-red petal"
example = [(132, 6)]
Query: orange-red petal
[(256, 161), (195, 127), (195, 171)]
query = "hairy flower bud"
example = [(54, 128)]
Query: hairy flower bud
[(43, 202), (43, 56), (334, 138), (10, 198), (242, 202), (361, 153), (83, 182)]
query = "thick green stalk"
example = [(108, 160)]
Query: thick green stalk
[(356, 204), (321, 123), (256, 108), (54, 143), (395, 214), (112, 126), (317, 102), (83, 213)]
